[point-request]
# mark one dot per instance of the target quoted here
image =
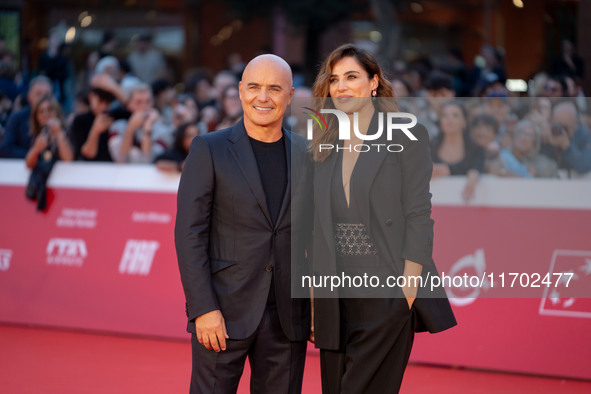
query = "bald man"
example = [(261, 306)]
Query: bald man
[(233, 242)]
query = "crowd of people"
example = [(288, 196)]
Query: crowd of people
[(491, 130), (132, 112), (543, 135)]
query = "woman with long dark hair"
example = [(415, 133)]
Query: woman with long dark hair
[(48, 132), (371, 218), (453, 151)]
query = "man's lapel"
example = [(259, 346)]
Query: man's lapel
[(287, 196), (241, 150)]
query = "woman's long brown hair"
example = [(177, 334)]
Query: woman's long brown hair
[(321, 93), (35, 129)]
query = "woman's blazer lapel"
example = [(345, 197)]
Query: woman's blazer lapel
[(367, 167)]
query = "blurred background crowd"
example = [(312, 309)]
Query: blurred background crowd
[(499, 84)]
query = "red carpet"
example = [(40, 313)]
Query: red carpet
[(36, 360)]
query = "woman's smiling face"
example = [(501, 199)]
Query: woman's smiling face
[(348, 82)]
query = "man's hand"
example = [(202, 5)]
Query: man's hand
[(107, 83), (561, 140), (211, 330), (136, 120), (101, 123), (104, 82), (152, 116)]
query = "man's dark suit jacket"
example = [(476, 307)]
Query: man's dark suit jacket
[(227, 246), (393, 191)]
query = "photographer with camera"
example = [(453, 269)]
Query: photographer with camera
[(50, 144), (47, 130), (144, 135), (89, 130), (568, 141)]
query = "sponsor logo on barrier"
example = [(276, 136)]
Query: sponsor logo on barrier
[(5, 256), (78, 218), (473, 264), (559, 300), (65, 251), (138, 257), (150, 217)]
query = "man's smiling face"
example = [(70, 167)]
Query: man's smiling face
[(265, 91)]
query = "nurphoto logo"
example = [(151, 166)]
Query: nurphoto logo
[(345, 129)]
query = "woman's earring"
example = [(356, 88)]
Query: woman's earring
[(374, 93)]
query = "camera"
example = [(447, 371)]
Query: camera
[(45, 132), (557, 129), (119, 113)]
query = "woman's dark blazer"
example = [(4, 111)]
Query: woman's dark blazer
[(397, 211)]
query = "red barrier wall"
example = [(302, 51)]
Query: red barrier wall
[(102, 258)]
